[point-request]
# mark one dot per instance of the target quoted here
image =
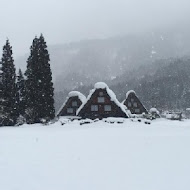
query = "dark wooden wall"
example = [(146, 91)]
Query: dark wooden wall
[(134, 108), (115, 109), (68, 104)]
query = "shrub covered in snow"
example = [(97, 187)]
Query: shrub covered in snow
[(20, 120), (155, 113)]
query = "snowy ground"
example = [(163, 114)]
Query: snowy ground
[(98, 156)]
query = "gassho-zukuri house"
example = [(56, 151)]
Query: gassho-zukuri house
[(102, 103), (74, 100), (133, 103)]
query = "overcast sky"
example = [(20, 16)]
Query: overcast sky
[(63, 21)]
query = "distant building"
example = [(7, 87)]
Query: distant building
[(174, 115), (74, 100), (187, 113), (102, 103), (133, 103)]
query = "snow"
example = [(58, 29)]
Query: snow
[(153, 52), (102, 85), (129, 92), (99, 155), (168, 116), (113, 77), (81, 97), (162, 38), (154, 110), (76, 93)]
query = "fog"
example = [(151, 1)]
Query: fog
[(63, 21)]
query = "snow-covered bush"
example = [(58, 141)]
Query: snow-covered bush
[(155, 113), (30, 116), (20, 120)]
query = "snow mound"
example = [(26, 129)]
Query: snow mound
[(78, 94), (100, 85), (112, 120), (154, 110), (130, 92)]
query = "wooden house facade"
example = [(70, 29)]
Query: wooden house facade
[(101, 103), (74, 100), (133, 103)]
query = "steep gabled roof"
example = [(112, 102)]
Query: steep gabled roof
[(102, 85), (71, 94), (133, 93)]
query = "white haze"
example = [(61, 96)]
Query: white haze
[(63, 21)]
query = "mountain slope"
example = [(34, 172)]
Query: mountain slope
[(86, 62)]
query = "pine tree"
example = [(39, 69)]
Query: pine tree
[(21, 93), (31, 84), (39, 86), (9, 85), (3, 115), (45, 82)]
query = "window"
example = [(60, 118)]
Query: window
[(74, 103), (94, 107), (137, 110), (135, 104), (69, 110), (101, 93), (129, 104), (107, 108), (101, 100)]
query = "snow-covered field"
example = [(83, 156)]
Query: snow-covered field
[(97, 156)]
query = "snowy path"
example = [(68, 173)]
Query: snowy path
[(97, 156)]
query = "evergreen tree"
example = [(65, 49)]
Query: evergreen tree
[(45, 82), (21, 93), (9, 85), (39, 86), (31, 84), (3, 115)]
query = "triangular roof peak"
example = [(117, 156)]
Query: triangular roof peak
[(102, 85), (130, 92), (71, 94), (133, 103), (78, 94)]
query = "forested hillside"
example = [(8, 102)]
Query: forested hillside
[(88, 61), (166, 87)]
